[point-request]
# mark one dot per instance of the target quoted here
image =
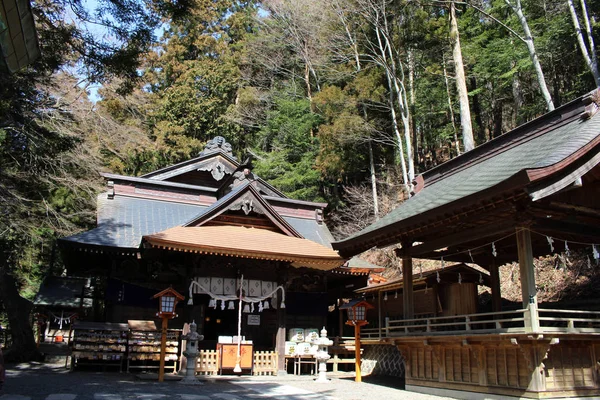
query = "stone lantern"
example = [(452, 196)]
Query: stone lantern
[(322, 356), (191, 352)]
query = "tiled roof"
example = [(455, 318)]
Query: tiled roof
[(444, 273), (310, 229), (244, 242), (123, 221), (483, 169)]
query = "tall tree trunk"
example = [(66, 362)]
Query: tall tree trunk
[(450, 107), (391, 83), (516, 7), (413, 124), (398, 81), (591, 61), (373, 181), (18, 309), (461, 84), (588, 31)]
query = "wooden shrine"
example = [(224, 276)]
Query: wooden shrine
[(236, 247), (527, 193)]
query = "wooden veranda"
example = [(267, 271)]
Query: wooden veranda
[(528, 193)]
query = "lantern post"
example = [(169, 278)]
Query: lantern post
[(357, 316), (167, 300)]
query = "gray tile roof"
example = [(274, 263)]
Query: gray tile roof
[(537, 152), (124, 220), (311, 230)]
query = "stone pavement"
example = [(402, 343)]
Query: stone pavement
[(35, 381)]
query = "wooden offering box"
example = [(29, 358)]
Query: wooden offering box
[(228, 356)]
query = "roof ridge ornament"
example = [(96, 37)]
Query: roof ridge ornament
[(218, 143), (592, 108)]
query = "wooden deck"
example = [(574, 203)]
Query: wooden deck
[(528, 320), (526, 353)]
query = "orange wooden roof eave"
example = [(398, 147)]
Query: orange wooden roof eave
[(317, 262)]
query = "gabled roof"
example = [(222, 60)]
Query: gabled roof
[(248, 199), (551, 151), (238, 241), (180, 195), (447, 275), (205, 162)]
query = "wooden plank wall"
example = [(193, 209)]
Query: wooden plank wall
[(569, 366), (506, 367)]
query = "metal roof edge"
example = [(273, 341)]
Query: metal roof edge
[(157, 183)]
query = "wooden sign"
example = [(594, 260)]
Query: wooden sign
[(254, 319)]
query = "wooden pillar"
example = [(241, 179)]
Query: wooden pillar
[(358, 377), (527, 273), (495, 283), (163, 349), (407, 282), (280, 341), (379, 315), (526, 268)]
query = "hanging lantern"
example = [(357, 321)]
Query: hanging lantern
[(212, 303), (266, 305), (282, 305), (395, 294), (246, 308), (231, 306), (385, 297)]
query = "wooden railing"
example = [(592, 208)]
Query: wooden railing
[(571, 321), (525, 320)]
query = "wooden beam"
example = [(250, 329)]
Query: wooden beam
[(586, 232), (461, 237)]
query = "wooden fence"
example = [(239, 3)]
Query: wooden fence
[(265, 363), (207, 362)]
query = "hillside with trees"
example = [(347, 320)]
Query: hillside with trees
[(343, 101)]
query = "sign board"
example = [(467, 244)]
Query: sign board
[(253, 319)]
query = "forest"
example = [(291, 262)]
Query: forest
[(342, 101)]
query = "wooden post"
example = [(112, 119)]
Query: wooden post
[(379, 315), (407, 292), (495, 283), (163, 349), (280, 341), (357, 352), (527, 273)]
